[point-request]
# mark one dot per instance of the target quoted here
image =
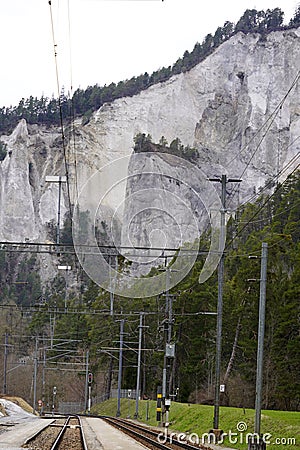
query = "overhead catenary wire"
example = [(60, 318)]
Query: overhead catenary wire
[(278, 143), (72, 105), (95, 312), (60, 109), (261, 207), (284, 169), (267, 123), (271, 117), (72, 137), (71, 88), (275, 178), (272, 216), (267, 187)]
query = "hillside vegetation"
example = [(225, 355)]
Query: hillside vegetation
[(84, 102), (273, 219), (284, 427)]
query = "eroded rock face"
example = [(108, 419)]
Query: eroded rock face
[(225, 107), (17, 209), (219, 107), (31, 155)]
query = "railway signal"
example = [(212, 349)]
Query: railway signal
[(159, 404), (90, 380), (53, 402)]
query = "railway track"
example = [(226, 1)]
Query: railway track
[(151, 438), (62, 434)]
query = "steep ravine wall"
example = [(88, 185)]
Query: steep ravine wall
[(219, 106)]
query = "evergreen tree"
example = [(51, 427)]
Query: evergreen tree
[(295, 21)]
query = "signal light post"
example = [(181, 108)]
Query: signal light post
[(53, 399), (90, 380)]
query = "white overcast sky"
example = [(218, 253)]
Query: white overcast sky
[(106, 40)]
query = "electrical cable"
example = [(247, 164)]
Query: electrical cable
[(261, 207), (270, 119), (60, 110), (72, 137), (276, 177), (72, 112), (272, 216)]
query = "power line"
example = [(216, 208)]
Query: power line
[(272, 216), (52, 248), (72, 111), (60, 109), (104, 312), (270, 119), (261, 207), (276, 177)]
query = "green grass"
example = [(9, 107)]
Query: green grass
[(189, 418)]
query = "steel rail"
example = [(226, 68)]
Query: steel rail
[(37, 433), (135, 434), (60, 434), (84, 444), (136, 431)]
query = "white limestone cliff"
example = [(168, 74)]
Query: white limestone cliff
[(219, 106)]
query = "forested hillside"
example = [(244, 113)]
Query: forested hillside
[(273, 219), (50, 111), (86, 325)]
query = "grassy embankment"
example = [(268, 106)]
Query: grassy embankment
[(283, 427)]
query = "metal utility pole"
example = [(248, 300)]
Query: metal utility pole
[(52, 329), (223, 180), (164, 379), (43, 380), (169, 334), (90, 380), (5, 363), (120, 367), (112, 283), (261, 335), (86, 379), (111, 295), (53, 399), (138, 378), (35, 373), (66, 269), (169, 352), (59, 180), (170, 307)]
